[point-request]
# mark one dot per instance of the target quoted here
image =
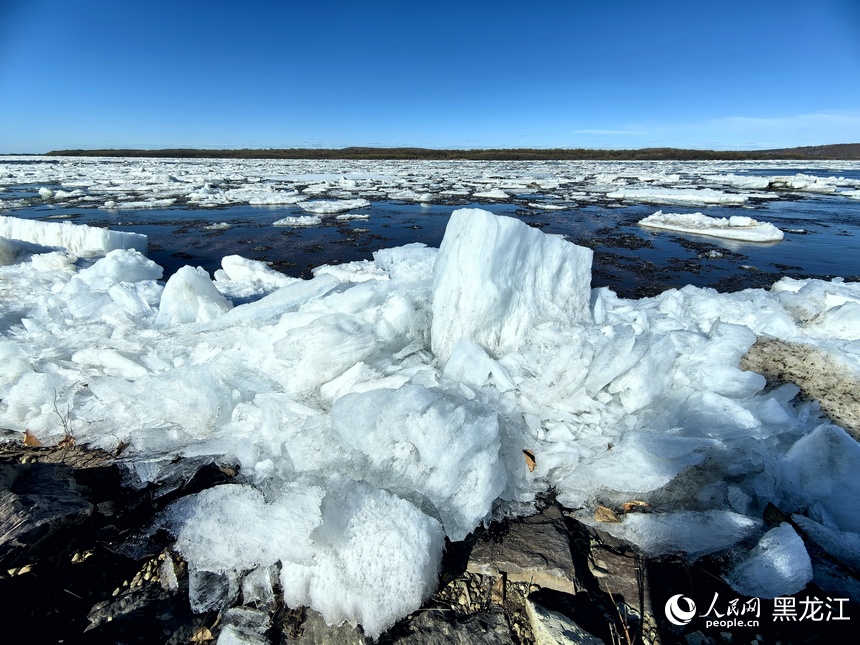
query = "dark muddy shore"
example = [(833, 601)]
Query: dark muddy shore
[(76, 569)]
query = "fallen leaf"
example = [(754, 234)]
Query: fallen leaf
[(66, 442), (30, 439), (530, 460), (202, 635), (603, 514), (228, 470), (633, 505)]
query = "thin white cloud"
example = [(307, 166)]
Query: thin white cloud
[(620, 133), (821, 119), (733, 132)]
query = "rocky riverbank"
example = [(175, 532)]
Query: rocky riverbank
[(76, 569)]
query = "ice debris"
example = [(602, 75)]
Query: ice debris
[(374, 412), (778, 566)]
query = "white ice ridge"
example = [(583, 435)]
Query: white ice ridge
[(703, 196), (736, 227), (374, 411), (76, 238)]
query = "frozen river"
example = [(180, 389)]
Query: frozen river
[(379, 410), (197, 211)]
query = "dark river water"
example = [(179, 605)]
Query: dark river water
[(822, 237)]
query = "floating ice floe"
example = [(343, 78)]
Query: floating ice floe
[(737, 227), (806, 183), (744, 182), (140, 204), (548, 206), (493, 193), (300, 220), (380, 407), (329, 207), (702, 196)]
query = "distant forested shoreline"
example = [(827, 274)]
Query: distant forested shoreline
[(835, 151)]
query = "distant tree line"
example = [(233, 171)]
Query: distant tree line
[(836, 151)]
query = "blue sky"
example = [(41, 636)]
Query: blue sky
[(616, 74)]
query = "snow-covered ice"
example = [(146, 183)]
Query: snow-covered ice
[(240, 277), (384, 405), (736, 227)]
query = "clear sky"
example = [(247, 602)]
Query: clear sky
[(727, 74)]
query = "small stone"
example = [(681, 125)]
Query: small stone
[(116, 591), (462, 600), (497, 593), (553, 628), (598, 568)]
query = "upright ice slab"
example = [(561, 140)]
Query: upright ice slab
[(77, 238), (495, 278)]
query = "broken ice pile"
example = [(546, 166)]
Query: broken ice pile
[(383, 406)]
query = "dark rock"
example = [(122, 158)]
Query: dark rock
[(623, 577), (37, 500), (443, 628), (313, 630), (553, 628), (535, 550)]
